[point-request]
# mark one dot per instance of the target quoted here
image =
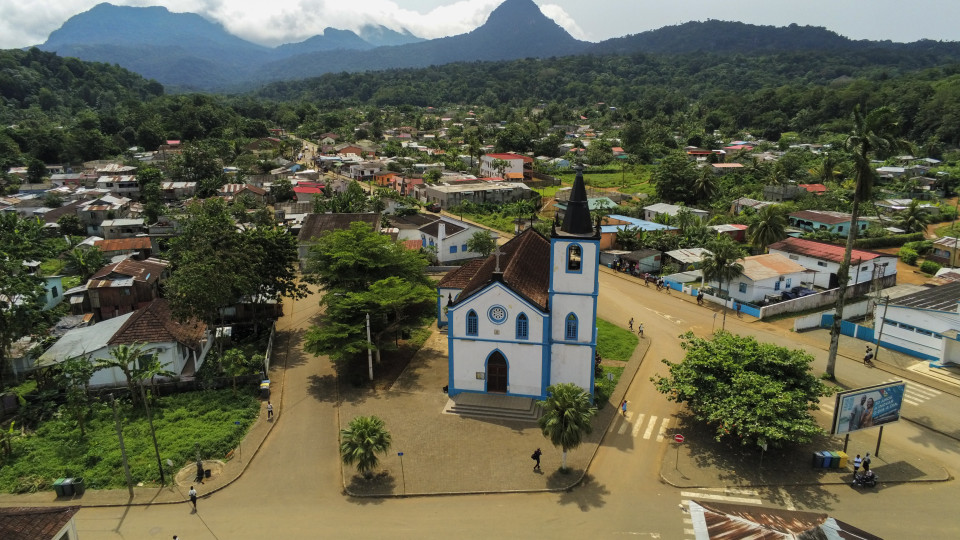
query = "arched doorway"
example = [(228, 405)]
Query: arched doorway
[(497, 373)]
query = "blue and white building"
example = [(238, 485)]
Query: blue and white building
[(525, 318)]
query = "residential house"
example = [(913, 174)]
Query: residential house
[(651, 212), (265, 145), (825, 220), (364, 171), (53, 288), (686, 258), (121, 186), (615, 223), (138, 247), (736, 231), (815, 189), (646, 261), (945, 250), (304, 192), (763, 276), (924, 324), (180, 346), (39, 522), (514, 163), (781, 192), (823, 260), (316, 225), (122, 228), (594, 203), (724, 168), (449, 236), (177, 191), (119, 288), (231, 191), (94, 212), (474, 191)]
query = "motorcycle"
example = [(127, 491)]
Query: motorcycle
[(867, 479)]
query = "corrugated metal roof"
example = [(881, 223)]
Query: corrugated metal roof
[(940, 298), (81, 341), (823, 250), (768, 266)]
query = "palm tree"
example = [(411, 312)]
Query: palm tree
[(872, 133), (630, 238), (722, 265), (128, 359), (364, 438), (914, 219), (705, 185), (566, 417), (769, 225), (84, 262)]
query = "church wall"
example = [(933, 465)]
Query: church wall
[(572, 364), (524, 362), (583, 281)]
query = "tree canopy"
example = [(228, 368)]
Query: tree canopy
[(749, 392)]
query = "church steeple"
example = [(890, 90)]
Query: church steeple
[(576, 220)]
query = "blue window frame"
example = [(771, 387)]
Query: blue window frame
[(776, 286), (574, 258), (789, 280), (463, 247), (473, 325), (523, 327), (453, 249), (743, 287), (571, 327)]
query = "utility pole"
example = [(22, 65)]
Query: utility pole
[(123, 450)]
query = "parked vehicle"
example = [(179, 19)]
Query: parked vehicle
[(433, 207), (867, 479)]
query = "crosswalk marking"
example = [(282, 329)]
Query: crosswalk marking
[(663, 429), (636, 426), (735, 491), (916, 394), (650, 426)]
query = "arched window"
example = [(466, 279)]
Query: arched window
[(574, 258), (570, 332), (472, 324), (523, 326)]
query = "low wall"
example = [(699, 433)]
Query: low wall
[(850, 311)]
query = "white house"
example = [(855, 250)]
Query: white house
[(924, 324), (512, 168), (763, 275), (525, 318), (824, 260), (450, 237), (651, 212), (181, 347)]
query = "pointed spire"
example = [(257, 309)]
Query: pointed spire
[(576, 220)]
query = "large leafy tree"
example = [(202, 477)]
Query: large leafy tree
[(769, 225), (721, 264), (914, 218), (73, 375), (84, 262), (874, 133), (567, 412), (364, 438), (482, 242), (757, 394), (21, 293), (274, 260), (675, 178)]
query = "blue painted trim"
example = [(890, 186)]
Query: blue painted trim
[(510, 291), (526, 334), (567, 326), (566, 259), (472, 314), (490, 314), (486, 370), (451, 389), (490, 340)]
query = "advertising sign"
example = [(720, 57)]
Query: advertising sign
[(868, 407)]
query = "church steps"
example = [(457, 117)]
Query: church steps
[(523, 409)]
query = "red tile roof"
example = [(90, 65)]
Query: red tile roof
[(508, 156), (823, 250), (458, 279), (35, 522), (525, 262), (822, 216), (148, 270), (813, 188), (155, 324), (123, 244)]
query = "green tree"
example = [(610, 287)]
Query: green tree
[(274, 261), (73, 376), (364, 438), (914, 218), (84, 262), (567, 412), (482, 242), (126, 358), (674, 178), (757, 394), (70, 225), (20, 240), (282, 190), (36, 171), (705, 185), (873, 133), (721, 265), (630, 238), (769, 225)]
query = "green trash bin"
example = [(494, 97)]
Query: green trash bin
[(835, 460), (67, 487), (58, 486), (78, 487)]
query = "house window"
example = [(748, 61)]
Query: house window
[(453, 249), (54, 292), (863, 226), (743, 287), (863, 268), (795, 257), (776, 286), (840, 229), (788, 282), (523, 326), (472, 324), (574, 258), (821, 263), (463, 247), (570, 332)]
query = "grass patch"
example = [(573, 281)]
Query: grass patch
[(604, 386), (496, 221), (70, 282), (51, 267), (615, 343), (948, 230), (57, 450)]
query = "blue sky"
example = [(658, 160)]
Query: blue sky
[(29, 22)]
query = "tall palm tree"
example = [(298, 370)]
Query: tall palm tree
[(566, 417), (914, 219), (873, 133), (128, 359), (364, 438), (705, 185), (722, 264), (769, 225)]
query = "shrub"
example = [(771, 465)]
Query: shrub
[(908, 256), (929, 267), (922, 247), (887, 241)]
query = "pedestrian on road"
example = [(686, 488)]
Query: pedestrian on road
[(269, 411), (536, 457), (193, 498), (866, 463), (738, 310), (175, 537), (857, 461), (640, 329), (623, 407), (631, 324), (699, 298)]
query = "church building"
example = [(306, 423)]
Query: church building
[(525, 317)]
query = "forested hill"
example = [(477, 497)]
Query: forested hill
[(64, 86)]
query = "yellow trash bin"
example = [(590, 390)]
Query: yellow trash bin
[(843, 460)]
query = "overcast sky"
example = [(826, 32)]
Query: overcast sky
[(29, 22)]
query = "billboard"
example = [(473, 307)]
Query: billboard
[(868, 407)]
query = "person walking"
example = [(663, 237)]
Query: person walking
[(866, 463), (857, 461), (193, 498), (699, 298), (269, 411), (623, 407), (631, 324), (536, 457), (739, 306), (640, 329)]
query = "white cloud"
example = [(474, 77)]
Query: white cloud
[(561, 17)]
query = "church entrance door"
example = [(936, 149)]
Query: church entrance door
[(497, 373)]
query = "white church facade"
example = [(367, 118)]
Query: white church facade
[(525, 318)]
